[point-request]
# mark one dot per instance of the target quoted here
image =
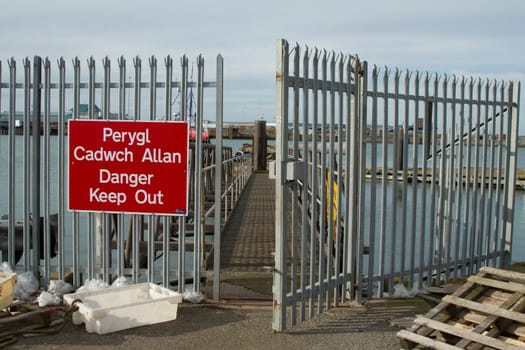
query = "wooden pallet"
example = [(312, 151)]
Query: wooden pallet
[(487, 312)]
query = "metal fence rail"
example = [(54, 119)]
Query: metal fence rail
[(386, 177), (34, 108)]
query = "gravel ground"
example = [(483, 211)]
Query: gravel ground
[(241, 327)]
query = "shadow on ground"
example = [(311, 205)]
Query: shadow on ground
[(190, 319)]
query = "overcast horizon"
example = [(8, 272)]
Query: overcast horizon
[(467, 38)]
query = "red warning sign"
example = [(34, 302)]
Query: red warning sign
[(128, 166)]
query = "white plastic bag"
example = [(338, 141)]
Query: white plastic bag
[(191, 296), (121, 281), (93, 284), (5, 267), (59, 288), (26, 285), (46, 298), (400, 291)]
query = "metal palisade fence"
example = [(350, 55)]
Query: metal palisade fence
[(35, 106), (386, 178)]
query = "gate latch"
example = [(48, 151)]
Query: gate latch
[(294, 170)]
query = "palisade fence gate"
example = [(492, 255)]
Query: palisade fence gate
[(35, 106), (384, 178)]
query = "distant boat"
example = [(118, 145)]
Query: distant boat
[(247, 149)]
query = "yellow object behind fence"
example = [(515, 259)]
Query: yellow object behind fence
[(334, 204)]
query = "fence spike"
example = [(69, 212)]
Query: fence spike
[(137, 61), (121, 61)]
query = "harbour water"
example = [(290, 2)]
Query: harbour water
[(519, 218), (518, 253)]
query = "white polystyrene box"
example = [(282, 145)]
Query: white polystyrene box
[(118, 308)]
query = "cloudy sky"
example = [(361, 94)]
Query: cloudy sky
[(484, 38)]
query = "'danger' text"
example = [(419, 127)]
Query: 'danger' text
[(131, 179)]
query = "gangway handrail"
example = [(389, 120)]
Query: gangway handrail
[(466, 134)]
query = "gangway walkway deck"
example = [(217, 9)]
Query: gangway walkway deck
[(249, 242)]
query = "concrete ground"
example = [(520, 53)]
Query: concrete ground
[(246, 326)]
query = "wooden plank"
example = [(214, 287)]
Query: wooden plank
[(516, 329), (427, 342), (501, 296), (460, 316), (475, 292), (491, 297), (513, 328), (459, 332), (510, 286), (512, 275), (492, 301), (445, 289), (490, 320), (485, 309), (462, 324), (474, 317), (512, 341), (440, 308)]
